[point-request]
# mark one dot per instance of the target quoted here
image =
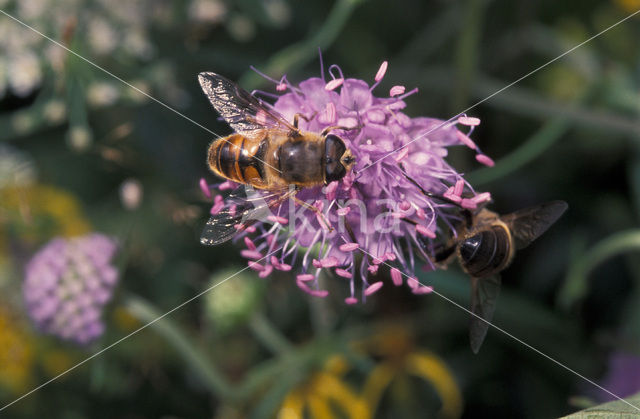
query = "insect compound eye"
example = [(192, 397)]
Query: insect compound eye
[(334, 148), (469, 247)]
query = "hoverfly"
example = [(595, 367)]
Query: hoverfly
[(484, 245), (267, 153)]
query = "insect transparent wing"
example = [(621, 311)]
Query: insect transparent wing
[(243, 207), (484, 294), (244, 112), (528, 224)]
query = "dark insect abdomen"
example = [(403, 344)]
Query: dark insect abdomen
[(300, 162), (485, 253), (234, 157)]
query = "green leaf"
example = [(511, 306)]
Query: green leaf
[(575, 285), (619, 409), (298, 54)]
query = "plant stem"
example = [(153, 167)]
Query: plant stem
[(197, 361), (466, 56), (268, 335), (575, 285), (298, 54)]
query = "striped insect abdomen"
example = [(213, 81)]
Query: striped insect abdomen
[(234, 158), (487, 252)]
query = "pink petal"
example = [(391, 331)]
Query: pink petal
[(468, 204), (343, 273), (333, 84), (317, 293), (470, 121), (226, 185), (204, 187), (329, 262), (261, 117), (218, 204), (283, 267), (413, 283), (281, 87), (266, 271), (343, 211), (373, 288), (457, 190), (305, 277), (422, 290), (330, 190), (482, 197), (452, 197), (466, 140), (396, 91), (249, 243), (276, 219), (251, 254), (331, 113), (484, 159), (373, 269), (349, 247), (402, 154), (255, 266), (396, 277), (351, 300), (425, 231), (381, 71)]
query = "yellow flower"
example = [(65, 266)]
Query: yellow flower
[(125, 320), (325, 395), (55, 362), (630, 6), (400, 359), (41, 211), (16, 354)]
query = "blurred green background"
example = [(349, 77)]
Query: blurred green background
[(73, 138)]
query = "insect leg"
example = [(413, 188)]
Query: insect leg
[(296, 118), (327, 130), (314, 209)]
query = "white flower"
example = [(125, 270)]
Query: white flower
[(241, 28), (131, 194), (80, 138), (55, 111), (102, 37), (207, 11), (102, 94), (24, 74)]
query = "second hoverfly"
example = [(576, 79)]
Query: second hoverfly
[(485, 245), (267, 153)]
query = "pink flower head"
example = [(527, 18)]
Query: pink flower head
[(378, 214), (67, 284)]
